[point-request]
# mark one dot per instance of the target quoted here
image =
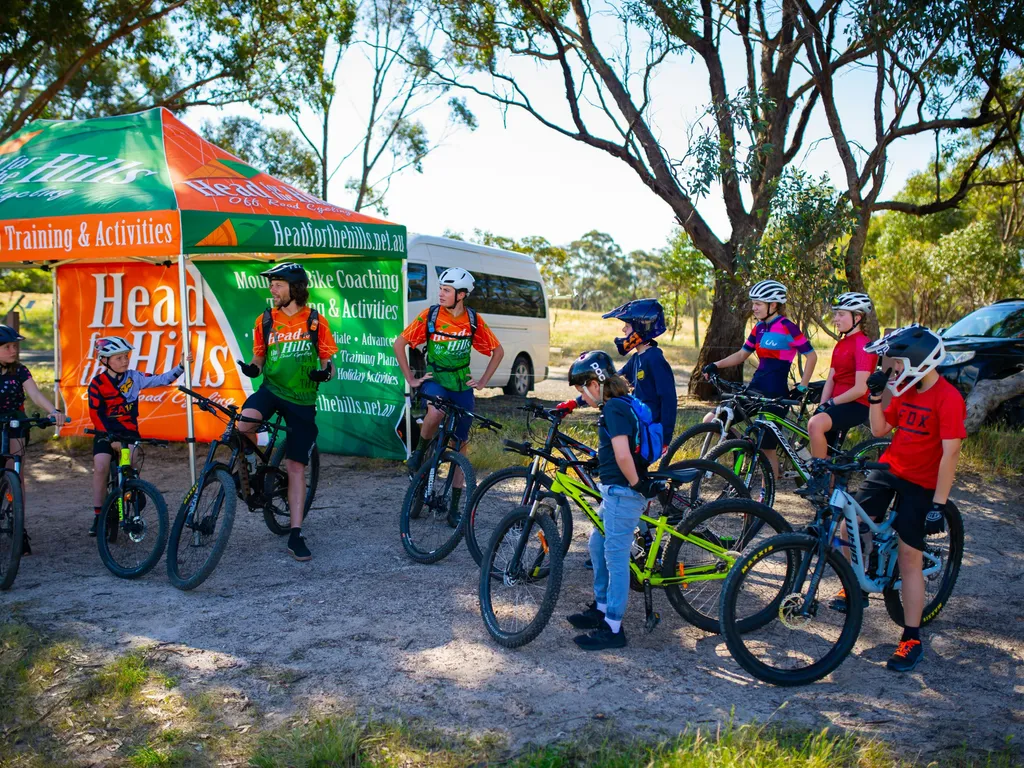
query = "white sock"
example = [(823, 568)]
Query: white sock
[(615, 625), (602, 607)]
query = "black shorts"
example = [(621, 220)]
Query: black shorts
[(101, 444), (845, 417), (300, 420), (912, 504)]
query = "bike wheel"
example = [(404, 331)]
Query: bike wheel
[(695, 443), (797, 646), (501, 492), (430, 528), (948, 549), (132, 530), (12, 527), (736, 525), (201, 530), (871, 450), (752, 467), (276, 512), (518, 595)]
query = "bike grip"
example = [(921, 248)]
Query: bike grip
[(876, 465), (791, 402), (513, 445)]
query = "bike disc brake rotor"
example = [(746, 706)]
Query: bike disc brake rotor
[(790, 612)]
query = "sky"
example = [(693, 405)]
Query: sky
[(513, 176)]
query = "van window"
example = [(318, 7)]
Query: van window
[(500, 295), (417, 281)]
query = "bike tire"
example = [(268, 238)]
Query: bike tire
[(497, 572), (953, 541), (749, 646), (12, 527), (111, 533), (221, 487), (704, 440), (719, 522), (426, 534), (563, 514), (738, 457), (277, 516)]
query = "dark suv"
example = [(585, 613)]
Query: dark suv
[(987, 344)]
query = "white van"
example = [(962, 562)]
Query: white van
[(509, 294)]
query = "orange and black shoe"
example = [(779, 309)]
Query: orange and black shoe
[(838, 602), (908, 654)]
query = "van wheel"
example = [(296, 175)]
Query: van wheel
[(520, 382)]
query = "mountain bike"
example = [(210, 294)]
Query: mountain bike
[(793, 576), (429, 526), (131, 532), (12, 505), (196, 542), (747, 459), (521, 575)]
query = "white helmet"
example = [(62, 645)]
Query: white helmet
[(768, 291), (920, 349), (852, 301), (457, 278), (112, 345)]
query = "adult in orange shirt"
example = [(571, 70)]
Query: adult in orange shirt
[(292, 367), (450, 340)]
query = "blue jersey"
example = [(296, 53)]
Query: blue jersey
[(654, 385)]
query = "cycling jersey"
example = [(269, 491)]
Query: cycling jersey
[(12, 388), (776, 343), (288, 354), (449, 350), (653, 383), (847, 358), (114, 399)]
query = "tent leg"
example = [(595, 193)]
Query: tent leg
[(56, 348), (186, 345)]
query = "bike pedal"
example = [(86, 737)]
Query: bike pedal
[(652, 621)]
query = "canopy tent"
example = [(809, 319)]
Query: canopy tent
[(146, 188)]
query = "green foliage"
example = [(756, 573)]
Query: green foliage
[(684, 275), (26, 280), (272, 150), (551, 259)]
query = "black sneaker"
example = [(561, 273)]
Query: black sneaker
[(95, 523), (454, 518), (414, 461), (26, 548), (602, 639), (588, 564), (908, 654), (591, 618), (297, 548)]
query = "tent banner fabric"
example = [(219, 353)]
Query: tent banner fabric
[(146, 185), (362, 301)]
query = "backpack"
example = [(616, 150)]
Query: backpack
[(649, 438), (432, 331), (312, 323)]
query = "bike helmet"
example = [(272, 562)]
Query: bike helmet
[(768, 291), (8, 334), (647, 318), (591, 365), (457, 278), (112, 345), (920, 349), (852, 301), (288, 271)]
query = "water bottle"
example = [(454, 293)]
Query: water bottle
[(803, 453)]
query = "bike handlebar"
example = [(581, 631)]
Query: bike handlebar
[(204, 403), (819, 466), (21, 419), (526, 449), (443, 403), (124, 437)]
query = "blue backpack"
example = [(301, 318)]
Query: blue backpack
[(650, 436)]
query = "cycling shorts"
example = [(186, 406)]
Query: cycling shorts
[(912, 504), (465, 399), (845, 417), (300, 420)]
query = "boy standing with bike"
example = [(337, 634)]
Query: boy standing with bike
[(292, 349), (451, 331), (928, 415)]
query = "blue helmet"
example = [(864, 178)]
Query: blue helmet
[(647, 318)]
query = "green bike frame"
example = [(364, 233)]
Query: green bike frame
[(125, 460)]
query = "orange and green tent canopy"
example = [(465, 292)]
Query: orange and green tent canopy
[(147, 186)]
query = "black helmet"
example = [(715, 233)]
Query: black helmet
[(591, 365), (289, 271), (8, 334)]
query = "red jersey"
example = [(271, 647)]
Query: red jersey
[(923, 420), (847, 358)]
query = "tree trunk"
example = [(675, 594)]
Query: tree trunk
[(854, 258), (725, 335), (675, 313), (987, 396), (695, 308)]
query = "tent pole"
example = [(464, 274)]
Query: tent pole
[(186, 345), (404, 298), (56, 348)]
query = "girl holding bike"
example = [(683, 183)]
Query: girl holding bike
[(844, 399), (622, 481)]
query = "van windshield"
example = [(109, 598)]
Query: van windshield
[(1000, 321)]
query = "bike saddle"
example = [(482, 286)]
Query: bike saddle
[(679, 476)]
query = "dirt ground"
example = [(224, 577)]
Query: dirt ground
[(363, 628)]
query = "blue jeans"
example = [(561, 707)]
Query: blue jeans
[(620, 511)]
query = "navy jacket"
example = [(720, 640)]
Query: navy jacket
[(653, 383)]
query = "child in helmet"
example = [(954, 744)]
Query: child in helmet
[(927, 413), (622, 485), (114, 407), (15, 383), (777, 341), (844, 398)]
